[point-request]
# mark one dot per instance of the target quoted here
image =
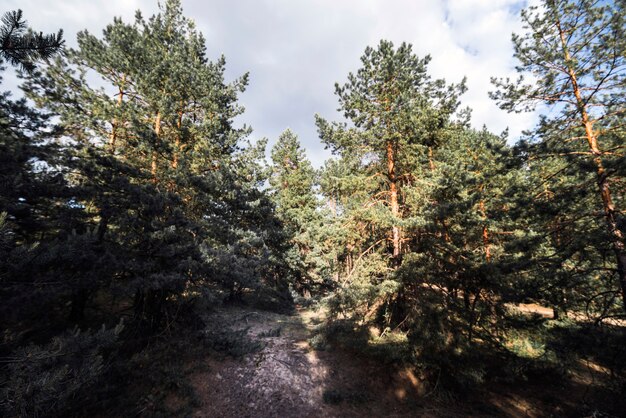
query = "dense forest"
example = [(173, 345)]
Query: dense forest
[(141, 229)]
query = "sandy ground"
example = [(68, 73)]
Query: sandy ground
[(287, 378)]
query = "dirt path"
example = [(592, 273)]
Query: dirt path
[(287, 378), (268, 369)]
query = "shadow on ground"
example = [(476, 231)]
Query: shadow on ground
[(264, 366), (282, 376)]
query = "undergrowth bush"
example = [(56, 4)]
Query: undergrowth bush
[(47, 380), (232, 342)]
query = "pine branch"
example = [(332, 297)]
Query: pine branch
[(21, 47)]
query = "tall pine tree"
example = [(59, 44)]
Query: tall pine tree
[(292, 179), (574, 53), (397, 112)]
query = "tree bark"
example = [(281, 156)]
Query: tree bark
[(157, 132), (177, 141), (486, 245), (114, 122), (332, 204), (431, 159), (393, 198)]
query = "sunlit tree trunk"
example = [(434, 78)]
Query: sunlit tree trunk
[(393, 198), (610, 212), (157, 132)]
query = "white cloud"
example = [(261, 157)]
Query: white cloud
[(296, 50)]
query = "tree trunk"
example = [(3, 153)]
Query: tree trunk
[(114, 122), (157, 132), (177, 144), (393, 198), (103, 224), (610, 213), (486, 245), (332, 204), (349, 263), (431, 159), (149, 307)]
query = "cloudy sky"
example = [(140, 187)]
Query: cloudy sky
[(295, 50)]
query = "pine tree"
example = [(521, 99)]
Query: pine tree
[(292, 180), (458, 275), (27, 181), (398, 113), (33, 198), (332, 237), (574, 52), (568, 263), (163, 175), (399, 116), (38, 264)]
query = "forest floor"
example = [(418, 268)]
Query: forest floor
[(276, 373), (287, 378)]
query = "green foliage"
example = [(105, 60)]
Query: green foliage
[(553, 349), (44, 380), (21, 46), (574, 55), (146, 203), (292, 182), (428, 214), (363, 289), (159, 169), (398, 116)]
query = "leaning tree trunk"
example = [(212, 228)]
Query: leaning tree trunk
[(610, 212)]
